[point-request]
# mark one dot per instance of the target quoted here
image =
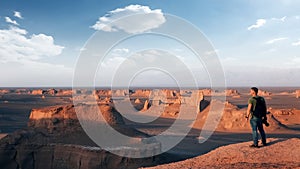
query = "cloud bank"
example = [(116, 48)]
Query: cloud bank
[(17, 46), (21, 58)]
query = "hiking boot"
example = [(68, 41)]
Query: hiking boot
[(264, 144), (254, 146)]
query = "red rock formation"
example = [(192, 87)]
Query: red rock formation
[(232, 92), (264, 93), (64, 92), (233, 119), (4, 91), (37, 92), (297, 93), (141, 93)]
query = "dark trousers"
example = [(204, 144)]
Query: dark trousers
[(256, 124)]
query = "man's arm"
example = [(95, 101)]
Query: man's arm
[(248, 110)]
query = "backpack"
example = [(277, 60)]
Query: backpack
[(259, 110)]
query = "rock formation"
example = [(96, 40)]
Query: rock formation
[(264, 93), (297, 93), (157, 96), (120, 93), (141, 93), (4, 91), (137, 101), (64, 92), (37, 92), (55, 139), (232, 92), (146, 106), (22, 91), (233, 119)]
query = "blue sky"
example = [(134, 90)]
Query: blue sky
[(257, 42)]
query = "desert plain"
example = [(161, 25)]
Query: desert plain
[(39, 128)]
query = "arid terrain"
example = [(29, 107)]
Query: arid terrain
[(40, 128)]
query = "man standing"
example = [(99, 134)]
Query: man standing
[(257, 112)]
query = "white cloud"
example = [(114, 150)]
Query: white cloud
[(16, 46), (121, 50), (8, 20), (275, 40), (279, 19), (259, 23), (284, 19), (18, 14), (296, 43), (149, 19)]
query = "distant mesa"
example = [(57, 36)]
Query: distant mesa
[(232, 92), (297, 94), (22, 91), (64, 92), (141, 93), (37, 92), (264, 93), (120, 93), (106, 93), (5, 91)]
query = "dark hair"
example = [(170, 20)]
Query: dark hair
[(255, 89)]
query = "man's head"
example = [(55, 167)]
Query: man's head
[(254, 91)]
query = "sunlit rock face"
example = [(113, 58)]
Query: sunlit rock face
[(55, 139)]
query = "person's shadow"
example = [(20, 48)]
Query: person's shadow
[(276, 141)]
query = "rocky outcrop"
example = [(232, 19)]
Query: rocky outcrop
[(206, 92), (32, 150), (37, 92), (64, 92), (22, 91), (5, 91), (297, 93), (137, 101), (264, 93), (233, 119), (280, 153), (120, 93), (141, 93), (232, 92), (106, 93), (55, 139)]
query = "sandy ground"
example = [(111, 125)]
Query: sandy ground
[(279, 153)]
